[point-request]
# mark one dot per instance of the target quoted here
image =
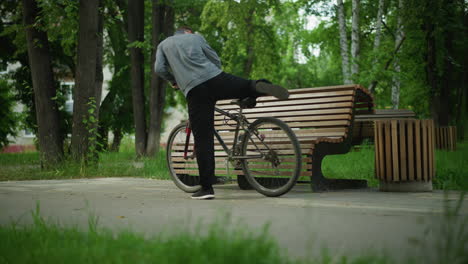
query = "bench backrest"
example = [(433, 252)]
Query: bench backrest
[(323, 114), (364, 123)]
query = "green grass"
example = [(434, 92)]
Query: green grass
[(50, 243), (451, 167), (356, 164), (223, 242), (26, 166)]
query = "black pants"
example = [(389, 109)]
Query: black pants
[(201, 103)]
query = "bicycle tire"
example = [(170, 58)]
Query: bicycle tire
[(280, 147), (174, 153)]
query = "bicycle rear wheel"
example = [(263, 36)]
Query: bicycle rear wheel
[(277, 165), (183, 170)]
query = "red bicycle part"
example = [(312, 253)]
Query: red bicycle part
[(188, 131)]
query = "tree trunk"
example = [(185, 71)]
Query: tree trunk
[(250, 45), (431, 71), (117, 140), (104, 124), (136, 33), (447, 78), (98, 83), (355, 45), (378, 31), (103, 138), (378, 25), (396, 83), (462, 111), (47, 114), (99, 57), (85, 105), (343, 43), (163, 26)]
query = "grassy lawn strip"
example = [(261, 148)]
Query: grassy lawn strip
[(26, 166), (451, 167)]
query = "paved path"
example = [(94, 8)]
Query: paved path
[(346, 222)]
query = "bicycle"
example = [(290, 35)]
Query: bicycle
[(268, 152)]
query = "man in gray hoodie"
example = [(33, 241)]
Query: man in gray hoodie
[(191, 65)]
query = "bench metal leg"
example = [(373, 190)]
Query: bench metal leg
[(319, 183), (243, 183)]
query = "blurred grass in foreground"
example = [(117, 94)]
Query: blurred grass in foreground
[(50, 243), (224, 241)]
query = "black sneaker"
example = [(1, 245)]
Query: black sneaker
[(266, 88), (204, 194)]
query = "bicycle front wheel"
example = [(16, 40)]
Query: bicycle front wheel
[(271, 156), (181, 160)]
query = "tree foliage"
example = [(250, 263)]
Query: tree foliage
[(263, 39), (8, 118), (416, 92)]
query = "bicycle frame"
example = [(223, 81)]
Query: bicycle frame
[(240, 121)]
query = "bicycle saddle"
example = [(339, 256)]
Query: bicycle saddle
[(248, 102)]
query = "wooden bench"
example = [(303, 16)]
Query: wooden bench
[(364, 123), (322, 119)]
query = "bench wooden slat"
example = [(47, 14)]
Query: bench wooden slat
[(385, 114), (292, 103), (296, 119), (292, 113), (276, 146), (220, 153), (232, 172), (292, 123), (299, 107), (307, 141), (294, 96), (256, 166), (338, 123), (305, 159), (318, 132), (335, 88)]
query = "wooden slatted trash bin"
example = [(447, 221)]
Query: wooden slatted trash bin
[(404, 154)]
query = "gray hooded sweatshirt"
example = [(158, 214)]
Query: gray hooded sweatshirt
[(186, 59)]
